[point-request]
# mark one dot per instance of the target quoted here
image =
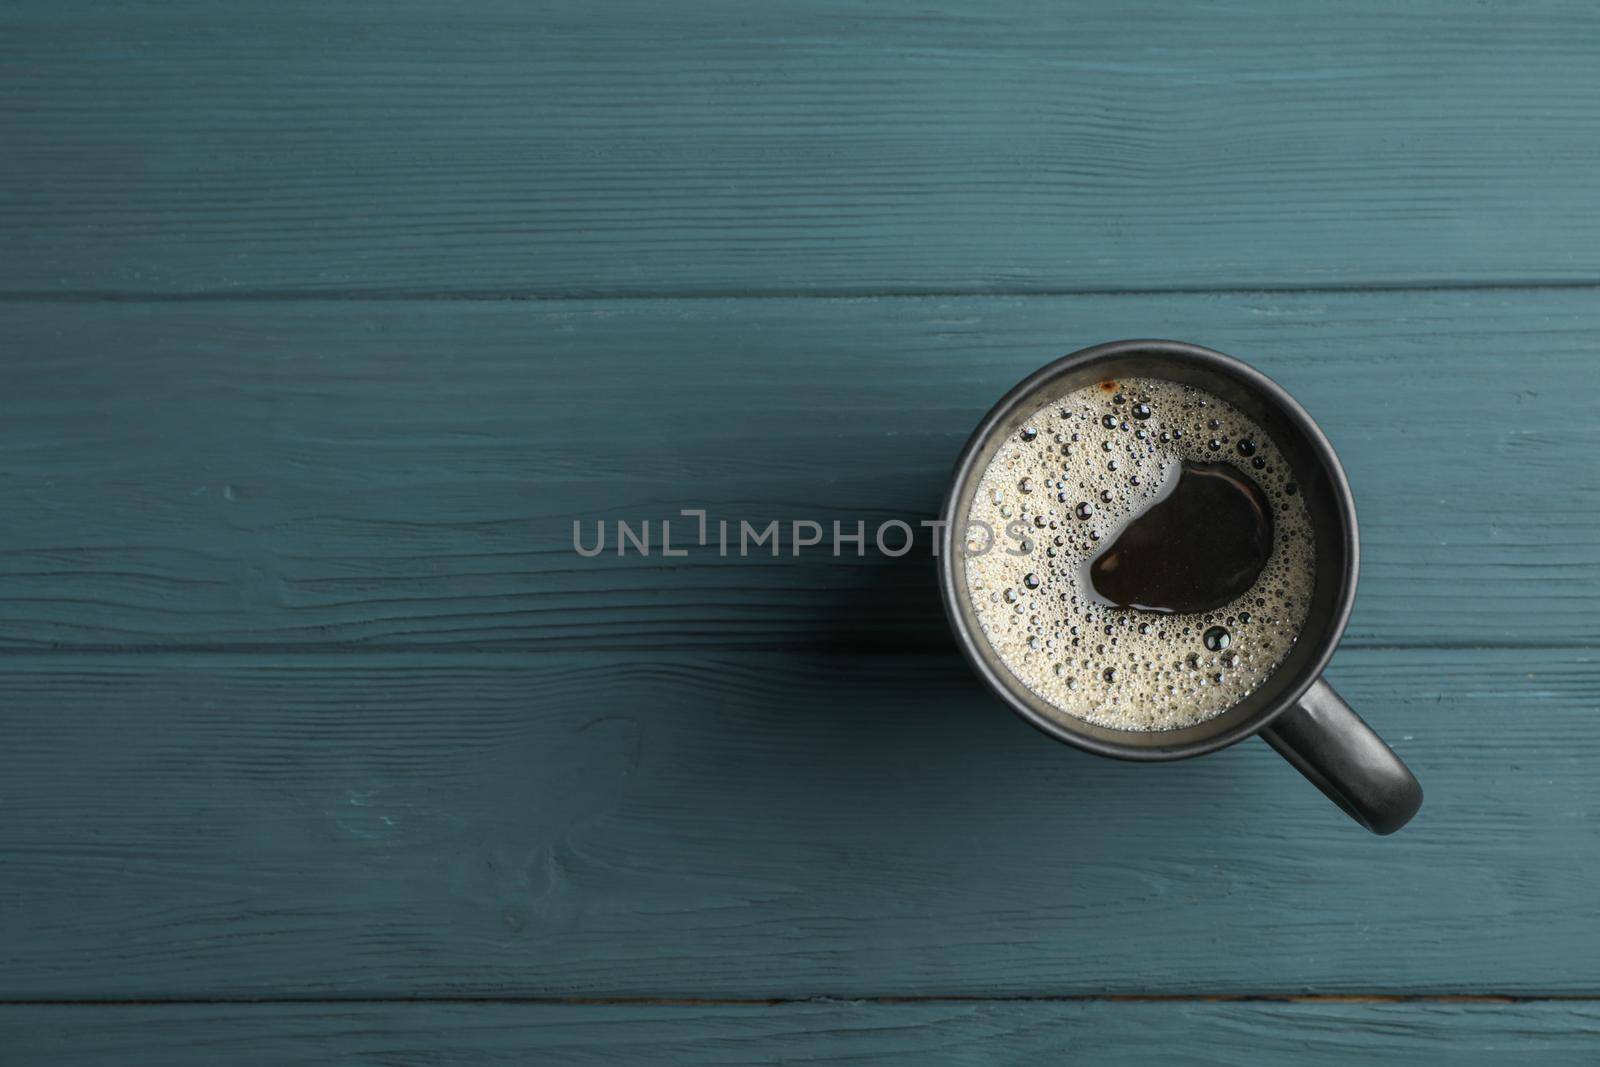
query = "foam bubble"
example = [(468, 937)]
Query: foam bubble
[(1117, 667)]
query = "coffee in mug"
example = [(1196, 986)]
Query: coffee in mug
[(1153, 560), (1171, 558)]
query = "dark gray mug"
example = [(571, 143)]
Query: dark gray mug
[(1295, 711)]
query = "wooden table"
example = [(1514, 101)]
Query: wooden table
[(322, 322)]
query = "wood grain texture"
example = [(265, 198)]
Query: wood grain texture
[(293, 474), (755, 825), (570, 148), (1136, 1035), (305, 695)]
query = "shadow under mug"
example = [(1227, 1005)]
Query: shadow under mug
[(1295, 711)]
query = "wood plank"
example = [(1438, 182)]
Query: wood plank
[(564, 148), (754, 825), (1138, 1034), (292, 473)]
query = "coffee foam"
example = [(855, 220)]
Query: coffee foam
[(1118, 667)]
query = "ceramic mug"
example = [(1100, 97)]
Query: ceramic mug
[(1294, 710)]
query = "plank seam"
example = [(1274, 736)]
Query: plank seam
[(823, 998), (92, 296)]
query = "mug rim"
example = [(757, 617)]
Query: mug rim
[(1006, 685)]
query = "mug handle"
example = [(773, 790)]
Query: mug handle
[(1326, 741)]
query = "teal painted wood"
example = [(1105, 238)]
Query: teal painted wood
[(570, 148), (386, 737), (762, 824), (290, 474), (1136, 1035)]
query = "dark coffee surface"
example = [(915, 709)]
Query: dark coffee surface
[(1135, 508), (1196, 548)]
